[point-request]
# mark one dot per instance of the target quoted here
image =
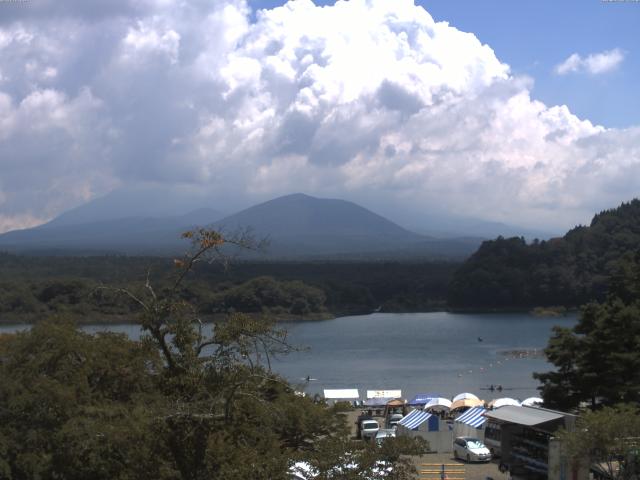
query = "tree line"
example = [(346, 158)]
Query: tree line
[(568, 271), (33, 287), (597, 374)]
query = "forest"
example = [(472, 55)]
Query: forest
[(33, 287), (509, 273)]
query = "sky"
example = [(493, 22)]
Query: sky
[(519, 112)]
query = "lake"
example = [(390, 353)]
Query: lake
[(435, 352)]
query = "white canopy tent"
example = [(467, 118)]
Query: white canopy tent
[(384, 393), (501, 402), (465, 396), (342, 394), (532, 401), (438, 404), (467, 402)]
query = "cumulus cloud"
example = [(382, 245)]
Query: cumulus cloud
[(595, 63), (368, 100)]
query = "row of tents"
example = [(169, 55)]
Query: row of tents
[(433, 417), (467, 400), (426, 401)]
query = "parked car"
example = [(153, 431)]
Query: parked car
[(383, 434), (361, 420), (471, 449), (368, 428), (393, 420)]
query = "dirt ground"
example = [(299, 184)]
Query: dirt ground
[(471, 471)]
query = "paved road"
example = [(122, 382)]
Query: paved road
[(472, 471)]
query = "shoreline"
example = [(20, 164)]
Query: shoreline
[(119, 319)]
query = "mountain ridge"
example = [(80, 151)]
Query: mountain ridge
[(298, 226)]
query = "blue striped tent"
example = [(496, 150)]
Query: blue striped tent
[(473, 417), (414, 419)]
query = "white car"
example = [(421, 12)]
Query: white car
[(471, 449), (369, 429)]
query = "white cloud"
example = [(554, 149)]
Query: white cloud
[(19, 222), (595, 63), (148, 38), (368, 100)]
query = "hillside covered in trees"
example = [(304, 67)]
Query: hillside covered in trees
[(567, 271), (598, 359), (32, 287)]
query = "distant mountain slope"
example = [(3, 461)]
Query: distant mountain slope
[(298, 226), (144, 201), (137, 235), (569, 271), (310, 225), (453, 226)]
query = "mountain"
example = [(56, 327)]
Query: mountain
[(144, 221), (140, 201), (567, 271), (452, 226), (137, 235), (299, 225), (307, 223)]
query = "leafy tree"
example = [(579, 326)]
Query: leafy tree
[(263, 294), (186, 402), (341, 458), (73, 405), (598, 360), (608, 439)]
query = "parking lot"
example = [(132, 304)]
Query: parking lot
[(472, 471)]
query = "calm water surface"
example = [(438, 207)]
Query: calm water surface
[(422, 352), (419, 352)]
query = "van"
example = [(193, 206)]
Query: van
[(367, 428)]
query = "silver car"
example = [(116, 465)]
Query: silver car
[(384, 433), (471, 449), (393, 420)]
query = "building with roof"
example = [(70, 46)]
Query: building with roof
[(528, 446)]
